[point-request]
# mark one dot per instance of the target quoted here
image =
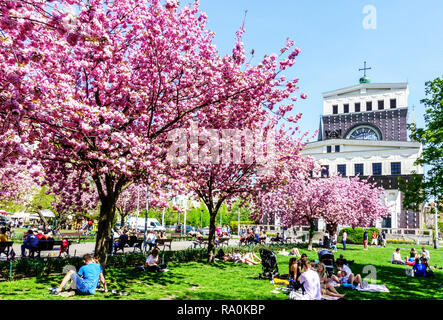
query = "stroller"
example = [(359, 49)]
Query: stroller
[(327, 258), (269, 264)]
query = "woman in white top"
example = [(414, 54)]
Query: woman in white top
[(152, 262), (310, 281)]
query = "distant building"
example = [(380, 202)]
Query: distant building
[(363, 131)]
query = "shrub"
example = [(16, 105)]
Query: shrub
[(234, 225), (355, 235), (400, 241)]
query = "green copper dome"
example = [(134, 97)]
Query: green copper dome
[(365, 80)]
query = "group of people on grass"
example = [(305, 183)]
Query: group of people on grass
[(418, 261), (315, 281)]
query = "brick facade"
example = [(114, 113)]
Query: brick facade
[(391, 123)]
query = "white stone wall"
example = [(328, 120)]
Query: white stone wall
[(363, 93)]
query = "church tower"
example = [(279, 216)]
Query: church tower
[(364, 132)]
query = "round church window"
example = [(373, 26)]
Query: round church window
[(364, 133)]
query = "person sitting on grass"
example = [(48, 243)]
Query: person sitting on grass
[(345, 275), (277, 238), (412, 255), (342, 261), (348, 279), (396, 257), (419, 268), (152, 262), (235, 257), (84, 282), (326, 286), (294, 270), (425, 254), (310, 280)]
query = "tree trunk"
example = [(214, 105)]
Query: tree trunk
[(102, 244), (311, 234), (331, 228), (43, 219), (211, 237)]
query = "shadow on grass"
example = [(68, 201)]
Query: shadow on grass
[(401, 286)]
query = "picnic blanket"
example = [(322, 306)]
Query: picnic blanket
[(374, 288), (326, 297)]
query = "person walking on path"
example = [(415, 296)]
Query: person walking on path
[(374, 239), (365, 240), (343, 239)]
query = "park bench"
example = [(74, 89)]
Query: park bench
[(200, 242), (179, 236), (222, 242), (47, 245), (164, 242), (133, 242), (5, 247), (73, 235)]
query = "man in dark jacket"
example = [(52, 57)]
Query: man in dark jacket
[(30, 242)]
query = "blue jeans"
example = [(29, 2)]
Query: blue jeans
[(27, 246), (344, 244)]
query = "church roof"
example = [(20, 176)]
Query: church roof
[(381, 86)]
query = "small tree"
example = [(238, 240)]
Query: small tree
[(337, 200)]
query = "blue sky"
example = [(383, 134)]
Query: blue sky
[(405, 46)]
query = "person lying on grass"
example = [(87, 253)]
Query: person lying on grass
[(84, 282), (248, 258), (326, 287)]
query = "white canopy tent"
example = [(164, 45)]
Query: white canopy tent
[(47, 213), (19, 215)]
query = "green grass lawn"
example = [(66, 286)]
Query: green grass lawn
[(227, 281)]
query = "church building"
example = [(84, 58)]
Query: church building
[(363, 131)]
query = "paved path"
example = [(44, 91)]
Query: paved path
[(79, 249)]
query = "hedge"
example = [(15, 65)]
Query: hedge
[(355, 235), (16, 269)]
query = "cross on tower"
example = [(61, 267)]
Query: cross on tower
[(364, 69)]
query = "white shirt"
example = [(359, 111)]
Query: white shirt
[(396, 256), (237, 256), (151, 260), (311, 282), (426, 254), (344, 236), (151, 238), (347, 269)]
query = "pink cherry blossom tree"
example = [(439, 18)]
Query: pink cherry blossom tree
[(223, 175), (104, 82), (337, 200)]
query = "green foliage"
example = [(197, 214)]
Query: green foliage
[(356, 235), (234, 225), (432, 139), (197, 280)]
